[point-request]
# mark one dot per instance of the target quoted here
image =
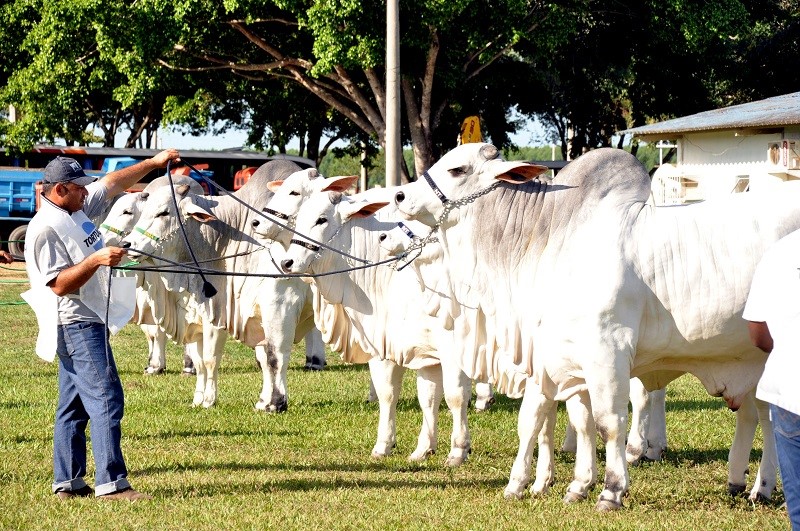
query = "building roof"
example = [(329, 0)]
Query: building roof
[(778, 111)]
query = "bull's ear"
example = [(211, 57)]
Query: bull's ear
[(339, 184), (182, 189), (519, 173), (360, 209), (273, 186), (197, 213)]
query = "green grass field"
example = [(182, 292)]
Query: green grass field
[(231, 467)]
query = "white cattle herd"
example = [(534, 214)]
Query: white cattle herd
[(482, 272)]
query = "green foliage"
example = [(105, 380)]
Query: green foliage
[(231, 467)]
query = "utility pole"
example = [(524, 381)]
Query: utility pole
[(392, 137)]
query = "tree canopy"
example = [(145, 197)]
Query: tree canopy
[(314, 69)]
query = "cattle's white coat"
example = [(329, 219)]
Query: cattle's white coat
[(604, 286), (376, 315), (265, 313)]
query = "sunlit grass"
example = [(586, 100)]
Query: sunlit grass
[(231, 467)]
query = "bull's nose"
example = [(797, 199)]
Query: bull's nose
[(255, 223), (399, 197), (286, 265), (381, 237)]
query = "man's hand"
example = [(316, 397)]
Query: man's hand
[(6, 258), (108, 256), (72, 278), (165, 156), (118, 181)]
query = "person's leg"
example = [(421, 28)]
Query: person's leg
[(97, 382), (69, 433), (786, 426)]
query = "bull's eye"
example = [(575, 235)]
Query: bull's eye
[(321, 220), (162, 214), (127, 212), (293, 192), (458, 172)]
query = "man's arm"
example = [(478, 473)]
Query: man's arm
[(760, 335), (118, 181), (72, 278), (5, 258)]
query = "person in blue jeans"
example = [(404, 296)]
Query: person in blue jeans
[(773, 315), (69, 271)]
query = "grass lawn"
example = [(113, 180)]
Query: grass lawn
[(231, 467)]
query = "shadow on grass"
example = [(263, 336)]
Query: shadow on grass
[(200, 432), (710, 403), (410, 477)]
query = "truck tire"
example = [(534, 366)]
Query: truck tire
[(17, 248)]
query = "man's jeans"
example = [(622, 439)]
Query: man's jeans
[(89, 389), (787, 438)]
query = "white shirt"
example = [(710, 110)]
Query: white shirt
[(775, 299)]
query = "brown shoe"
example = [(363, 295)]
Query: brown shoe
[(82, 492), (126, 494)]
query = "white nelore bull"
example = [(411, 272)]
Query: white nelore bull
[(603, 286), (268, 314), (118, 223), (424, 255), (376, 315), (289, 194)]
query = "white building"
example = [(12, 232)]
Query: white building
[(730, 150)]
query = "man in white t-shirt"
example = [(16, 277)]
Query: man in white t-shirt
[(773, 312), (66, 258)]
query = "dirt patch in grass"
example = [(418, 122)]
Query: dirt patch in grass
[(15, 271)]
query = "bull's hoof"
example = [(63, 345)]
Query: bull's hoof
[(573, 497), (151, 371), (605, 506), (421, 455), (736, 490), (454, 461), (514, 492), (760, 498), (484, 405), (189, 371), (381, 450), (279, 406), (309, 367)]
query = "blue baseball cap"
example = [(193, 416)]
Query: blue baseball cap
[(66, 170)]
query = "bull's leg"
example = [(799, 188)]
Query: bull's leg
[(372, 396), (429, 395), (315, 351), (570, 444), (213, 346), (157, 347), (484, 396), (457, 392), (739, 454), (388, 378), (188, 362), (545, 460), (640, 422), (580, 414), (609, 389), (657, 430), (265, 397), (279, 351), (200, 381), (767, 476), (533, 412)]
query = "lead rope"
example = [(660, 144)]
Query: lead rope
[(271, 213), (208, 288)]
